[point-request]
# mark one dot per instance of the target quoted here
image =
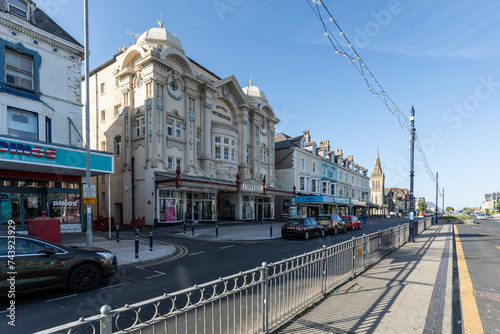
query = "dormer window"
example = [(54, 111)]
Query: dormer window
[(18, 7)]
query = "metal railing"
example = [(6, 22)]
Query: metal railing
[(254, 301)]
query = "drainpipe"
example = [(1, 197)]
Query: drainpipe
[(133, 189)]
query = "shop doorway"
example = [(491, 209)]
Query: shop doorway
[(20, 206)]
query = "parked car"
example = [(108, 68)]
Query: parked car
[(351, 222), (481, 216), (41, 264), (302, 227), (332, 223)]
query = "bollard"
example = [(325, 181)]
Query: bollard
[(192, 230), (271, 228), (150, 239), (117, 233), (217, 230), (185, 220), (136, 242)]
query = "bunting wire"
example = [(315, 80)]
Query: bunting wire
[(372, 84)]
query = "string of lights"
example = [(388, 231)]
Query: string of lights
[(373, 86)]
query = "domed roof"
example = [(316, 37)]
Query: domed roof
[(254, 92), (160, 36)]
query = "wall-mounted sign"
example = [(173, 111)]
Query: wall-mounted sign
[(22, 151), (251, 186)]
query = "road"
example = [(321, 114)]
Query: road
[(196, 261), (481, 249)]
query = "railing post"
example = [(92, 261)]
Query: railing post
[(106, 322), (217, 229), (150, 239), (117, 232), (323, 285), (265, 298)]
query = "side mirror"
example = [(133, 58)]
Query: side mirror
[(50, 251)]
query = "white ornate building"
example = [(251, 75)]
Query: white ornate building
[(187, 143)]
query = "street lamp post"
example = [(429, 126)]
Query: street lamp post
[(411, 212), (87, 119), (437, 193)]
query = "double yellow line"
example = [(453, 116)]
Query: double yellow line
[(470, 314)]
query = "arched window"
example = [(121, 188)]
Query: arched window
[(118, 145)]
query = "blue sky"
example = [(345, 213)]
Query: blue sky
[(441, 57)]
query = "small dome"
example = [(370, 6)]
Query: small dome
[(159, 36), (254, 92)]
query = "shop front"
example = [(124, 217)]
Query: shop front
[(188, 198), (257, 201), (37, 177)]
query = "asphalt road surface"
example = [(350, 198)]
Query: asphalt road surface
[(195, 262), (481, 248)]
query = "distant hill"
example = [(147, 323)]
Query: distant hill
[(431, 206)]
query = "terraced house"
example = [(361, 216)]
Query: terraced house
[(325, 181)]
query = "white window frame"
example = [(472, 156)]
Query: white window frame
[(178, 130), (118, 145), (170, 163), (302, 163), (170, 128), (26, 11)]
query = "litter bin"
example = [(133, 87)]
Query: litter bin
[(45, 228)]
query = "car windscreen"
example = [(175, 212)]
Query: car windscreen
[(296, 221), (346, 219), (323, 218)]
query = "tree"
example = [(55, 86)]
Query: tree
[(422, 206), (498, 206), (449, 209)]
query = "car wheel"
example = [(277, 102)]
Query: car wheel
[(336, 230), (322, 233), (307, 235), (359, 226), (85, 277)]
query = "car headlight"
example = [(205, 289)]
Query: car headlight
[(107, 256)]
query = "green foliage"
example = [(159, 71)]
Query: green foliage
[(422, 206), (449, 209), (498, 206)]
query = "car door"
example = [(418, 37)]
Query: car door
[(36, 270), (314, 227)]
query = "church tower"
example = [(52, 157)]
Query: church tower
[(377, 183)]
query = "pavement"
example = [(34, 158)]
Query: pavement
[(408, 291)]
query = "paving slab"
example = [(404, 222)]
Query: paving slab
[(409, 291)]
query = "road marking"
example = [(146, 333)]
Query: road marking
[(227, 247), (197, 253), (112, 286), (139, 268), (159, 274), (182, 252), (52, 300), (470, 313), (486, 234)]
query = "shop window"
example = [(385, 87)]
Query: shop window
[(19, 69), (22, 124), (118, 145)]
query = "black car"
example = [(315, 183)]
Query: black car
[(302, 227), (28, 263)]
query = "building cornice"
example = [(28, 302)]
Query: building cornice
[(40, 35)]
